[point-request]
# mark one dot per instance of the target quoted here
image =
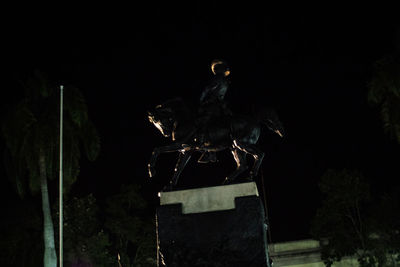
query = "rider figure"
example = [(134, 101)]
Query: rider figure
[(212, 105)]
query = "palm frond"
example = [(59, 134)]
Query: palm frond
[(384, 91), (33, 126), (42, 83), (16, 176), (16, 124), (75, 105), (91, 141)]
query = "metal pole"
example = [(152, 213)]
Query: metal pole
[(269, 261), (265, 206), (61, 177)]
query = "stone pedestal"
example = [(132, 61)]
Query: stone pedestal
[(213, 226)]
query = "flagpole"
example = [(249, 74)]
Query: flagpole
[(61, 177)]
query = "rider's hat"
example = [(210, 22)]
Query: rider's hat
[(220, 66)]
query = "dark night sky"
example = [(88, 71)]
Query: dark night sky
[(312, 67)]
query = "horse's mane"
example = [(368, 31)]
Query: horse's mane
[(180, 107), (177, 101)]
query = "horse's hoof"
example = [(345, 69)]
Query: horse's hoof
[(249, 179), (227, 181), (168, 188)]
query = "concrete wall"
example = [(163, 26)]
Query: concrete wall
[(208, 199), (212, 226), (302, 253)]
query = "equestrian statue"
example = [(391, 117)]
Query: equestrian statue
[(211, 128)]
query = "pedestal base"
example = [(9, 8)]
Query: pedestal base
[(215, 226)]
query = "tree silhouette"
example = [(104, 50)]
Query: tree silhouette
[(31, 133), (349, 223), (384, 91)]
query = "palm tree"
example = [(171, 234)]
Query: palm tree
[(31, 134), (384, 91)]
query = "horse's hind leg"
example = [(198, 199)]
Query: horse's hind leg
[(255, 152), (240, 158)]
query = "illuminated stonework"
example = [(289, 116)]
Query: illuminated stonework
[(302, 253)]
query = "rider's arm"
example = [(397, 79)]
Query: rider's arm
[(211, 87)]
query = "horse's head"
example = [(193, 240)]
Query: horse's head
[(163, 119), (172, 118), (271, 120), (165, 116)]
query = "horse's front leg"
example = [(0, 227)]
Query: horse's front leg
[(184, 158), (255, 152), (241, 165), (159, 150)]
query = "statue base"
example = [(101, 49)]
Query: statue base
[(213, 226)]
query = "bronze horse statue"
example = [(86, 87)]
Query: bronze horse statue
[(238, 133)]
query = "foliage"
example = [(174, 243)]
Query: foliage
[(347, 222), (385, 224), (131, 227), (96, 233), (32, 125), (84, 238), (384, 91)]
